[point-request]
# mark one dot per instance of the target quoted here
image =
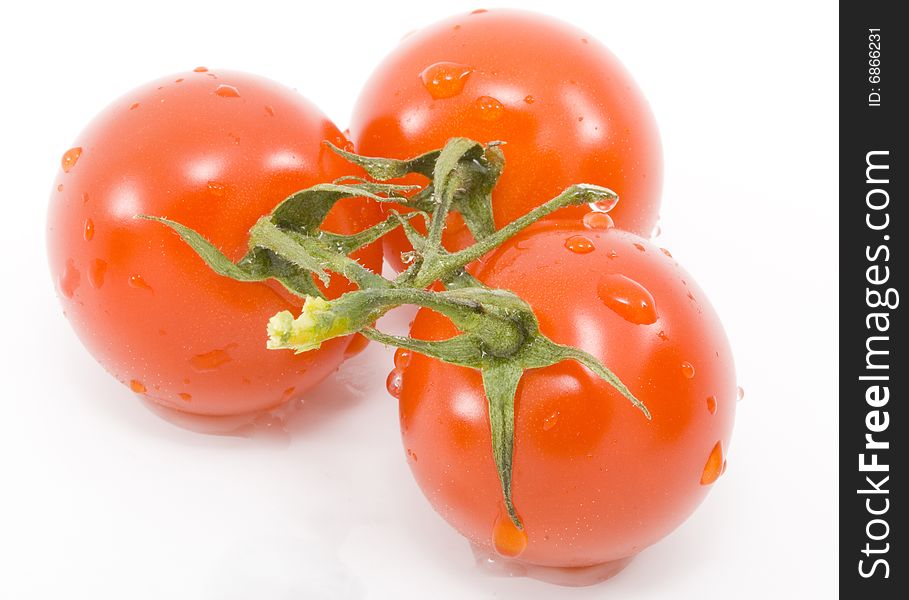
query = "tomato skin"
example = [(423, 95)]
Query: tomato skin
[(569, 113), (215, 151), (594, 480)]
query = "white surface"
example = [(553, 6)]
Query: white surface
[(101, 499)]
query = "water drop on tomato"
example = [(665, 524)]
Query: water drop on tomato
[(579, 244), (688, 370), (714, 467), (598, 220), (394, 383), (70, 157), (489, 108), (627, 298), (507, 539), (445, 79)]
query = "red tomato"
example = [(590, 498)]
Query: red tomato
[(594, 481), (567, 108), (214, 151)]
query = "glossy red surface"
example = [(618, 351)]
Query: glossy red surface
[(213, 150), (567, 109), (594, 480)]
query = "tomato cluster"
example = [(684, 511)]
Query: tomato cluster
[(593, 481)]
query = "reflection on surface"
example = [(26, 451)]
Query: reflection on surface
[(499, 566)]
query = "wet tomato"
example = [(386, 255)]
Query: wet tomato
[(567, 109), (214, 150), (595, 482)]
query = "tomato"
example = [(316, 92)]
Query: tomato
[(594, 481), (214, 150), (565, 106)]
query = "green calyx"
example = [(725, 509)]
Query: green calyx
[(498, 332)]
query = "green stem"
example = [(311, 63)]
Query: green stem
[(459, 350), (436, 227), (488, 316), (601, 371), (448, 180), (312, 254), (500, 383), (446, 266), (346, 244)]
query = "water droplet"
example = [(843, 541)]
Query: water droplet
[(479, 11), (70, 157), (403, 356), (640, 246), (134, 106), (507, 539), (739, 393), (688, 370), (584, 41), (209, 361), (137, 386), (627, 298), (186, 397), (69, 280), (604, 205), (656, 231), (342, 141), (88, 230), (96, 273), (394, 382), (178, 80), (137, 282), (666, 252), (711, 404), (227, 91), (489, 108), (662, 335), (269, 110), (84, 198), (216, 189), (201, 69), (528, 99), (580, 119), (411, 455), (59, 187), (445, 79), (579, 244), (598, 220), (714, 467), (551, 421), (612, 254)]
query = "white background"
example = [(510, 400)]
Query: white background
[(101, 499)]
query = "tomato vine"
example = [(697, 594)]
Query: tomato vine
[(499, 333)]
